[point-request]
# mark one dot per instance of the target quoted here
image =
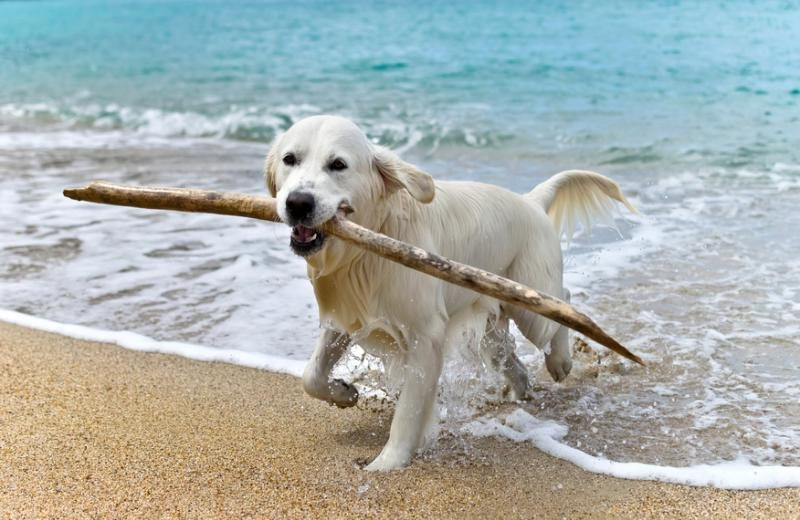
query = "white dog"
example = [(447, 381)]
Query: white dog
[(324, 163)]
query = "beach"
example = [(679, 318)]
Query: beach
[(689, 113), (192, 406), (90, 430)]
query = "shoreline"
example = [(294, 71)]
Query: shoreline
[(89, 430)]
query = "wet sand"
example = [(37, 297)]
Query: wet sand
[(90, 430)]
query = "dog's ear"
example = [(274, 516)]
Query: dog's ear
[(270, 167), (397, 174)]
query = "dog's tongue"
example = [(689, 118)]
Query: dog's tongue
[(304, 234)]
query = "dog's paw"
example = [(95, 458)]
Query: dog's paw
[(559, 367), (343, 394), (514, 393), (389, 460), (517, 386)]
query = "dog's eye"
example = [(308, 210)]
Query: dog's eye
[(337, 165), (289, 159)]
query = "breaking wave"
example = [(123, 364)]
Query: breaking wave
[(386, 126)]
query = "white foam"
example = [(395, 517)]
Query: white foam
[(720, 380), (520, 426), (582, 270), (140, 343), (249, 121), (237, 122), (76, 139)]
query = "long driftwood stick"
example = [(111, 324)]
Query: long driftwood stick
[(263, 208)]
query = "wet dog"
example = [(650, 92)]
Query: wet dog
[(324, 163)]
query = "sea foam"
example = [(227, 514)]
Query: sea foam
[(140, 343), (518, 426)]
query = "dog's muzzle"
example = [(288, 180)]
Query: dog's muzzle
[(305, 240)]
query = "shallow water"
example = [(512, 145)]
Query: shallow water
[(694, 110)]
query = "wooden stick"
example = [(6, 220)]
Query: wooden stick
[(263, 208)]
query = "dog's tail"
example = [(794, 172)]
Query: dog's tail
[(578, 196)]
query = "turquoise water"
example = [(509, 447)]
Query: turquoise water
[(602, 82), (694, 107)]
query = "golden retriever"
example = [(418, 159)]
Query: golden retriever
[(324, 163)]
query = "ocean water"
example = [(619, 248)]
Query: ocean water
[(693, 107)]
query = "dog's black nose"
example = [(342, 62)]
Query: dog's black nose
[(299, 205)]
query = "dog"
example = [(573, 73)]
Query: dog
[(326, 164)]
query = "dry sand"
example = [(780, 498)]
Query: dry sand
[(91, 430)]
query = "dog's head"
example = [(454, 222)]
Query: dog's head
[(325, 163)]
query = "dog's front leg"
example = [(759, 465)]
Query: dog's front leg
[(317, 380), (416, 405)]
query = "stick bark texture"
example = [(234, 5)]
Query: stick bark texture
[(264, 208)]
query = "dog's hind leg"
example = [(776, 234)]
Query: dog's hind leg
[(541, 268), (416, 405), (540, 331), (497, 347), (317, 381), (559, 359)]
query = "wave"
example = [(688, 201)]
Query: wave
[(245, 123), (388, 126)]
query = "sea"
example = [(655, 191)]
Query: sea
[(692, 107)]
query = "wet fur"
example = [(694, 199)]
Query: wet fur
[(405, 317)]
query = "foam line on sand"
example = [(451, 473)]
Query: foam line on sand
[(521, 426), (140, 343), (92, 431), (518, 426)]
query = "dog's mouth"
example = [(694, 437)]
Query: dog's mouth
[(306, 241)]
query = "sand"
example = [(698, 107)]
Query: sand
[(90, 430)]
